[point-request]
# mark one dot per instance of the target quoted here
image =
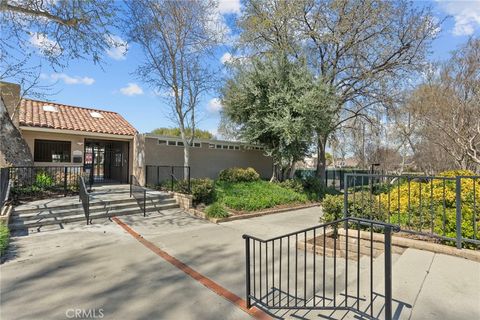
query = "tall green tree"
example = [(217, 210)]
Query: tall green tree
[(362, 49), (175, 132), (275, 102)]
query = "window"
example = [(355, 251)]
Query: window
[(197, 145), (180, 143), (211, 146), (172, 143), (162, 142), (237, 147), (117, 159), (52, 151)]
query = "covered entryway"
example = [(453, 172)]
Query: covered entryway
[(106, 161)]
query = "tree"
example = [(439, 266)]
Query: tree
[(175, 132), (447, 106), (176, 38), (360, 48), (270, 101), (63, 30)]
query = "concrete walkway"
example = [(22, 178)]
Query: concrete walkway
[(102, 267)]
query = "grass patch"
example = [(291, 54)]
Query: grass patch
[(256, 195), (4, 238), (216, 210)]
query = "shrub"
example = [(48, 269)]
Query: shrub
[(4, 237), (292, 184), (315, 189), (332, 208), (238, 175), (203, 190), (43, 180), (216, 210)]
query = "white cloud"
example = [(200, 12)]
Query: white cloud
[(229, 6), (465, 13), (226, 58), (69, 79), (214, 105), (44, 44), (132, 89), (118, 48)]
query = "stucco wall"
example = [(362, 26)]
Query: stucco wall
[(77, 145), (206, 162)]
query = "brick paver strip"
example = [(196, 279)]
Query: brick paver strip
[(210, 284)]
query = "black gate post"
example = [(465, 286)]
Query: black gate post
[(171, 177), (388, 273), (65, 181), (247, 270)]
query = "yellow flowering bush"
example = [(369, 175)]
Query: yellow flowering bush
[(421, 204)]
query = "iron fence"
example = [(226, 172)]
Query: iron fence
[(34, 180), (323, 267), (168, 177), (84, 197), (442, 207), (334, 178), (139, 193), (4, 186)]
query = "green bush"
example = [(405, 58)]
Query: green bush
[(4, 238), (315, 189), (238, 175), (332, 208), (216, 210), (257, 195), (203, 190), (43, 180), (292, 184)]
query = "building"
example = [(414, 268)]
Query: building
[(110, 149)]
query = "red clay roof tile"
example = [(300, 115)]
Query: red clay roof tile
[(32, 114)]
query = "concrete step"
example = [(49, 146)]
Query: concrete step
[(19, 223), (94, 201), (96, 207)]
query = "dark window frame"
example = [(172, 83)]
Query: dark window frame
[(52, 151)]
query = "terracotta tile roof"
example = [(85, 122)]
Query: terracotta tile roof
[(32, 114)]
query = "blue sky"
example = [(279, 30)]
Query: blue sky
[(116, 88)]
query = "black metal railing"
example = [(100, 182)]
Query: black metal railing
[(4, 186), (84, 198), (441, 207), (35, 180), (312, 268), (139, 193), (168, 177)]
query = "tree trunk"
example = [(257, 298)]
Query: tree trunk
[(14, 151), (186, 160), (321, 159)]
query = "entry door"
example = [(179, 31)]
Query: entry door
[(95, 161)]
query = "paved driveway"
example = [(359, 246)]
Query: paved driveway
[(103, 270), (103, 267)]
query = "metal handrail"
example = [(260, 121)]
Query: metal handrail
[(139, 193), (292, 284), (84, 198)]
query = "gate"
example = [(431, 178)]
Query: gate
[(322, 268)]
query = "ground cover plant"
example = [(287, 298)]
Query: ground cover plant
[(4, 237), (256, 195)]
